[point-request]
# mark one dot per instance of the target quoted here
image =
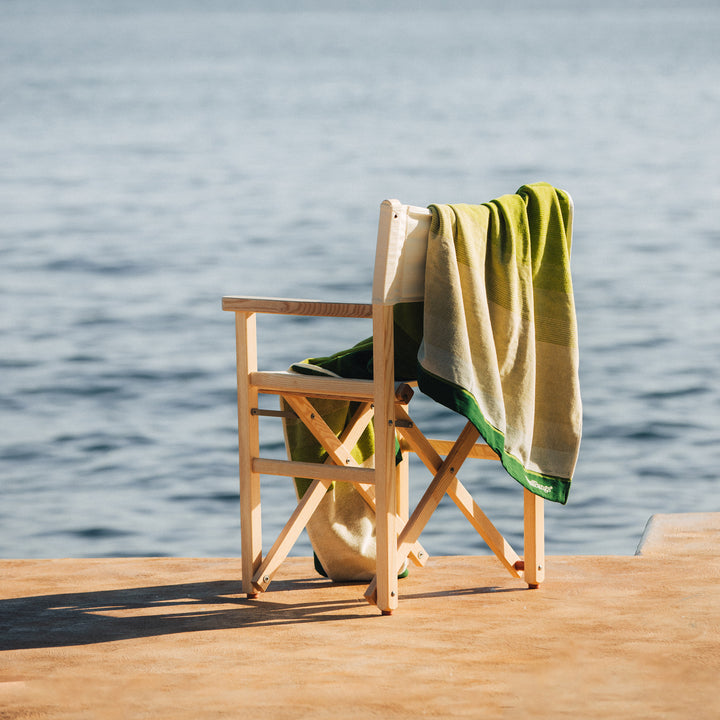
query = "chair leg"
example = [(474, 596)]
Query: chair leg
[(534, 539), (386, 539), (402, 481), (386, 543), (249, 448)]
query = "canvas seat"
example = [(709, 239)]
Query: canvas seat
[(399, 275)]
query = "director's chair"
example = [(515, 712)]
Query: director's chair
[(398, 278)]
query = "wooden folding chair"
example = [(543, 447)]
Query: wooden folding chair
[(398, 277)]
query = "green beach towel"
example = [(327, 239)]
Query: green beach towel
[(495, 340), (500, 334)]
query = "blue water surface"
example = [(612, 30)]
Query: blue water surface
[(155, 156)]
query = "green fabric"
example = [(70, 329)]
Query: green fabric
[(357, 363), (500, 335), (495, 340)]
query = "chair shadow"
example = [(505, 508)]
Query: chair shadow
[(87, 618), (462, 592)]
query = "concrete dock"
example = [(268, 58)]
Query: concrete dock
[(604, 637)]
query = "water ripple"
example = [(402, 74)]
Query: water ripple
[(135, 195)]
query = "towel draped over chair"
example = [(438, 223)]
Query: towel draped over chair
[(494, 340)]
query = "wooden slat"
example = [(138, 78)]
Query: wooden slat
[(356, 427), (286, 383), (248, 448), (418, 554), (479, 451), (484, 527), (313, 471), (296, 306), (402, 480), (385, 487), (348, 438), (460, 496), (305, 508), (281, 382), (428, 503), (339, 450), (320, 430), (415, 440), (534, 522), (313, 495), (437, 488)]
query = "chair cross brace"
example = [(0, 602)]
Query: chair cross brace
[(339, 454)]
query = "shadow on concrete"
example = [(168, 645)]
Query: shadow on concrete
[(85, 618)]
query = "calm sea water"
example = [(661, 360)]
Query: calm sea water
[(155, 156)]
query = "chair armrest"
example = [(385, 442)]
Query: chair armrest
[(289, 306)]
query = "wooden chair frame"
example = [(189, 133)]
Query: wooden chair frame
[(399, 267)]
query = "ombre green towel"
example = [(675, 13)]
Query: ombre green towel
[(500, 334)]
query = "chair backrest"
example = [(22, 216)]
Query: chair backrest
[(399, 274), (400, 253)]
